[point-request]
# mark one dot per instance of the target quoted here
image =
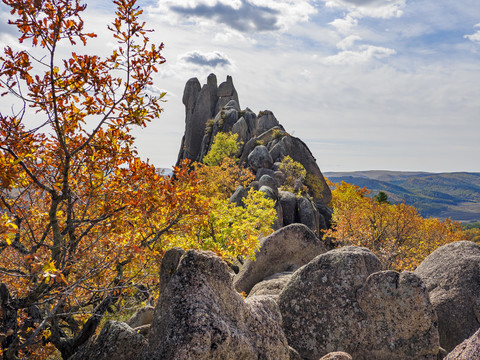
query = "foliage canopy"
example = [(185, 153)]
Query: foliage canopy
[(83, 220), (396, 233)]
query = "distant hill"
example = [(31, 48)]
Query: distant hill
[(443, 195)]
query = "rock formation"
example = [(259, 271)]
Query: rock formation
[(286, 249), (263, 141), (341, 301), (452, 276), (116, 341), (201, 104), (200, 316)]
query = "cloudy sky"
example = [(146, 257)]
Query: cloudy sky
[(367, 84)]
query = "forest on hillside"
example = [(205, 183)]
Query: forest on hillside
[(443, 195)]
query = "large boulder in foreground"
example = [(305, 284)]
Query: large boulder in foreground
[(467, 350), (401, 321), (286, 249), (452, 276), (200, 316), (342, 301), (116, 340)]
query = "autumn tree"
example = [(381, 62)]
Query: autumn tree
[(73, 189), (295, 176), (396, 233), (229, 230)]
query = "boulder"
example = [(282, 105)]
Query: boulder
[(338, 355), (307, 214), (262, 171), (452, 276), (340, 301), (238, 196), (241, 129), (402, 323), (116, 341), (280, 177), (286, 249), (467, 350), (260, 158), (272, 285), (288, 201), (141, 317), (200, 316), (169, 264), (268, 192), (266, 121), (298, 151), (319, 307), (251, 120), (269, 181)]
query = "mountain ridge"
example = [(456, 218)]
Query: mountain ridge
[(454, 195)]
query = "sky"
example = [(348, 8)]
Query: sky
[(366, 84)]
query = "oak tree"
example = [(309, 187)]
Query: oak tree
[(73, 191)]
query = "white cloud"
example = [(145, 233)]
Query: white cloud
[(363, 54), (348, 42), (346, 25), (384, 9), (475, 37)]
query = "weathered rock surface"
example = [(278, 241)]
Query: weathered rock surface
[(272, 285), (269, 181), (288, 201), (338, 355), (141, 317), (307, 214), (467, 350), (452, 276), (266, 121), (200, 316), (298, 151), (401, 321), (116, 341), (341, 302), (286, 249), (202, 104), (238, 196), (260, 158), (262, 141)]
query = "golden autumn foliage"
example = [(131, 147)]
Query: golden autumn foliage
[(83, 220), (396, 233), (229, 230)]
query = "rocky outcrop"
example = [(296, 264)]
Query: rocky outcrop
[(116, 341), (201, 104), (452, 276), (341, 301), (286, 249), (467, 350), (262, 140), (298, 151), (200, 316)]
